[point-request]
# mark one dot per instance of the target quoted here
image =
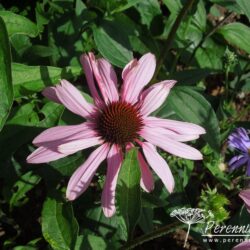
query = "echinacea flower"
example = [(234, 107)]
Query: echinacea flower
[(245, 196), (240, 141), (114, 122)]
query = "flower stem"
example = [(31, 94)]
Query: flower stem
[(171, 35), (187, 234), (153, 235)]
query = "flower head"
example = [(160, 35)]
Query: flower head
[(240, 141), (116, 121)]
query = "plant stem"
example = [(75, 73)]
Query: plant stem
[(153, 235), (171, 35), (187, 234), (211, 32)]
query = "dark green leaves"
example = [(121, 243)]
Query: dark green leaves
[(237, 34), (59, 225), (245, 7), (6, 91), (17, 24), (31, 79), (112, 40), (128, 191), (191, 106), (25, 183)]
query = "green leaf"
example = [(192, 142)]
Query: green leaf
[(209, 55), (67, 165), (173, 6), (96, 243), (200, 16), (90, 242), (17, 24), (31, 79), (190, 76), (128, 191), (245, 7), (108, 228), (21, 187), (24, 124), (127, 5), (148, 10), (236, 34), (59, 226), (112, 40), (40, 51), (191, 106), (6, 89)]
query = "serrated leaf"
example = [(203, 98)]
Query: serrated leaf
[(128, 191), (6, 89), (31, 79), (17, 24), (21, 187), (59, 226), (236, 34), (191, 106)]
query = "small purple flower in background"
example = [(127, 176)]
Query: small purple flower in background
[(240, 141), (245, 196)]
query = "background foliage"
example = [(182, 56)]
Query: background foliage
[(205, 49)]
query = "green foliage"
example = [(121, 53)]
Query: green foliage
[(112, 44), (6, 89), (59, 225), (21, 187), (128, 191), (191, 106), (237, 34), (215, 202), (17, 24)]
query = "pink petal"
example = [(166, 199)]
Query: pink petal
[(172, 146), (147, 180), (154, 97), (129, 67), (73, 100), (108, 195), (106, 78), (85, 61), (245, 196), (44, 154), (159, 165), (177, 126), (50, 93), (82, 177), (245, 245), (77, 145), (166, 133), (138, 77), (64, 133)]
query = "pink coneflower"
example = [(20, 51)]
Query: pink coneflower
[(114, 122)]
